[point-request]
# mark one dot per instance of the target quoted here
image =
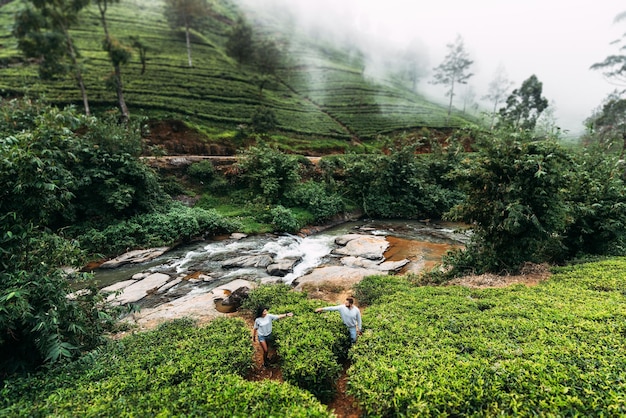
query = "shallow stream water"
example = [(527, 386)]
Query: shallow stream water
[(420, 242)]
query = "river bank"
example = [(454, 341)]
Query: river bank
[(194, 280)]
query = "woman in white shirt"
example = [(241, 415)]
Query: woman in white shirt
[(263, 329)]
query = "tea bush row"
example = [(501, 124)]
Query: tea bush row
[(555, 349), (312, 347), (177, 369)]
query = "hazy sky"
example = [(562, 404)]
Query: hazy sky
[(557, 40)]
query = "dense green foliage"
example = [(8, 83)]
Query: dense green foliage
[(71, 184), (516, 198), (555, 349), (536, 201), (400, 184), (178, 369)]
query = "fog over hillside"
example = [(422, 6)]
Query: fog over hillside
[(556, 40)]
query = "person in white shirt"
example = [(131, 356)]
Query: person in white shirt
[(350, 315), (263, 329)]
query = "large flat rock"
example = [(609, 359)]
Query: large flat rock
[(364, 246), (136, 256), (199, 304), (139, 289), (339, 275)]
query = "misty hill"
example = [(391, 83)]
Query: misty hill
[(319, 90)]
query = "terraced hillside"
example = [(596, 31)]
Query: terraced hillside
[(319, 92)]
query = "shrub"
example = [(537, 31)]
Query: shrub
[(178, 223), (315, 197), (40, 323), (372, 288), (263, 120), (516, 202), (202, 171), (269, 171), (284, 220)]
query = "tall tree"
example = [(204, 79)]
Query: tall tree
[(413, 64), (498, 89), (186, 13), (524, 105), (118, 54), (267, 60), (454, 69), (240, 43), (608, 124), (614, 66), (143, 49), (42, 30), (468, 95)]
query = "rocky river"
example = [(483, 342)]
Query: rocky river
[(203, 279)]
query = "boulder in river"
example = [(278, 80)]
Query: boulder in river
[(283, 266), (382, 266), (136, 291), (137, 256), (259, 261), (365, 246)]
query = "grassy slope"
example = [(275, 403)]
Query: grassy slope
[(320, 92)]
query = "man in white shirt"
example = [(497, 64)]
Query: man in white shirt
[(350, 315)]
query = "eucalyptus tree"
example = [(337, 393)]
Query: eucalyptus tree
[(118, 54), (524, 105), (42, 30), (188, 14), (454, 69), (498, 90)]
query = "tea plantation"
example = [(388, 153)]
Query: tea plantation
[(317, 92), (555, 349)]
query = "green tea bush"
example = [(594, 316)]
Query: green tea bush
[(555, 349), (177, 369), (312, 347), (372, 288), (202, 171)]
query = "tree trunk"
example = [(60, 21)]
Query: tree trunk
[(187, 36), (77, 73), (493, 115), (119, 88), (120, 94), (450, 104)]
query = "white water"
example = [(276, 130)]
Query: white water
[(312, 251)]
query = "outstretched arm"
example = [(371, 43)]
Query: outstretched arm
[(328, 308), (281, 316)]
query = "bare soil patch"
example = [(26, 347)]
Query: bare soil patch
[(530, 275)]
